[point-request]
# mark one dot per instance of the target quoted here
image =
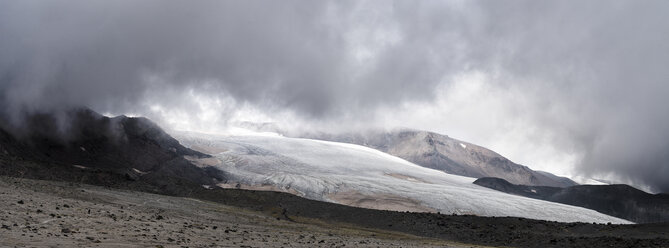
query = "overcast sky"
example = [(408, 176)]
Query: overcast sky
[(572, 87)]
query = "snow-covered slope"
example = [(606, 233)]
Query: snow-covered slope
[(440, 152), (360, 176)]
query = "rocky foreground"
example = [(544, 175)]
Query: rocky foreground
[(37, 213)]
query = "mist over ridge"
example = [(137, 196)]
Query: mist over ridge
[(565, 86)]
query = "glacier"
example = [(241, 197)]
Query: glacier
[(364, 177)]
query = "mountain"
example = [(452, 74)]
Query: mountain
[(618, 200), (363, 177), (81, 145), (562, 181), (52, 147), (446, 154)]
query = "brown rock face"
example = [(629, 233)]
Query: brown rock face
[(452, 156)]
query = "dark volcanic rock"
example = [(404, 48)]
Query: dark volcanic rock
[(619, 200), (82, 144)]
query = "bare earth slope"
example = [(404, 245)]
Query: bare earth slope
[(46, 213)]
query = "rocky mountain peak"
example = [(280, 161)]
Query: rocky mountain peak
[(132, 147)]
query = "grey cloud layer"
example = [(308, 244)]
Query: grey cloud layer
[(100, 52), (594, 73), (296, 54), (600, 65)]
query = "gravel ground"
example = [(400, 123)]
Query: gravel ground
[(37, 213)]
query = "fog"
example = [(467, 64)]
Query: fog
[(575, 88)]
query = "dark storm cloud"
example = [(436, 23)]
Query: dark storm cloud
[(592, 73), (294, 54), (605, 64), (99, 52)]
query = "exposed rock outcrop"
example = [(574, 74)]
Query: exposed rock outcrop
[(617, 200)]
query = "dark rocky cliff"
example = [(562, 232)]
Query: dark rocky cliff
[(619, 200), (85, 146)]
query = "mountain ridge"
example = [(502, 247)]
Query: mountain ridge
[(19, 160), (365, 177), (437, 151), (103, 149), (618, 200)]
